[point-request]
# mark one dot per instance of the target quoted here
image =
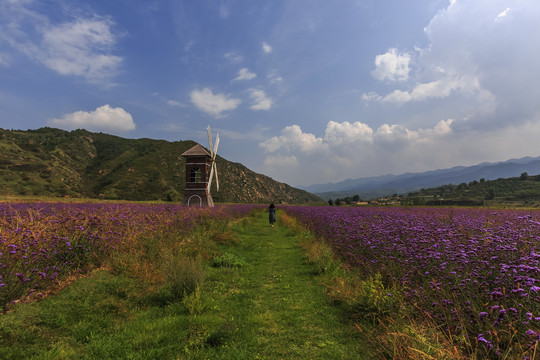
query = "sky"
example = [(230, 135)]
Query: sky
[(304, 91)]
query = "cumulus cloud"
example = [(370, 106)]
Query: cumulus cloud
[(82, 47), (346, 132), (213, 104), (441, 88), (392, 66), (262, 102), (266, 47), (104, 118), (479, 54), (347, 149), (245, 74), (292, 138)]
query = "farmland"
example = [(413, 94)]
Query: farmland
[(473, 273), (212, 279), (43, 244)]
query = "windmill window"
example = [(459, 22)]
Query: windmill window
[(195, 175)]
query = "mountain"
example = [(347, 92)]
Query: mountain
[(53, 162), (379, 186)]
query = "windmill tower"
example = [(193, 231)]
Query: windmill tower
[(200, 170)]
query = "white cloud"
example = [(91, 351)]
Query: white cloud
[(293, 139), (371, 96), (274, 78), (281, 161), (215, 105), (348, 149), (175, 103), (233, 57), (104, 118), (82, 47), (502, 14), (392, 66), (441, 88), (262, 102), (346, 132), (266, 48), (244, 74), (473, 58)]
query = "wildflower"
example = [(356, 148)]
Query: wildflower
[(481, 338), (483, 315)]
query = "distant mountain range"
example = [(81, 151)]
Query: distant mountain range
[(373, 187), (53, 162)]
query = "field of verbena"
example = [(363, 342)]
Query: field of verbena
[(472, 272), (43, 244)]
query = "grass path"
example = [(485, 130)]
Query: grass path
[(273, 306)]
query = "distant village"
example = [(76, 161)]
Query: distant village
[(357, 201)]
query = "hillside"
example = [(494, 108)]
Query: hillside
[(522, 190), (53, 162), (381, 186)]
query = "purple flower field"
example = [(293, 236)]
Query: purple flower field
[(43, 243), (474, 272)]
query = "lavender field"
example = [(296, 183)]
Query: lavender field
[(43, 244), (474, 273)]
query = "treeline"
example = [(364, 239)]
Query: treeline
[(347, 200), (524, 189)]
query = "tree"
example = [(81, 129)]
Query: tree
[(330, 202), (524, 176)]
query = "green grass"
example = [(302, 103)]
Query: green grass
[(260, 300)]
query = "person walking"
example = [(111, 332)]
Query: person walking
[(272, 214)]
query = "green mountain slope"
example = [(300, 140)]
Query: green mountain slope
[(523, 190), (53, 162)]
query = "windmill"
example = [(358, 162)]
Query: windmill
[(200, 170), (213, 168)]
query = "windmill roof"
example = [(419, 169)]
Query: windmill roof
[(197, 150)]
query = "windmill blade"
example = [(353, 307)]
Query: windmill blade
[(215, 147), (210, 142), (210, 178), (217, 181)]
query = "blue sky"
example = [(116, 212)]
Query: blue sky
[(305, 91)]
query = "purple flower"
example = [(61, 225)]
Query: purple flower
[(481, 338), (483, 315)]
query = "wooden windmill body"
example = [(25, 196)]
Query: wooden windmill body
[(200, 170)]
